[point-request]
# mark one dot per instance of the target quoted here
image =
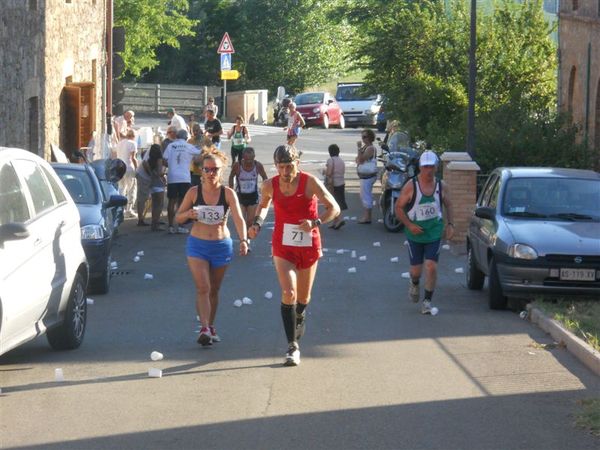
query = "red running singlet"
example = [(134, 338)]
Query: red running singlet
[(292, 210)]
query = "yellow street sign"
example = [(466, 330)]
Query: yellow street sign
[(229, 74)]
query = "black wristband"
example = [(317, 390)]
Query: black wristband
[(258, 221)]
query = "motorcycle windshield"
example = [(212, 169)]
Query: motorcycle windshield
[(399, 141)]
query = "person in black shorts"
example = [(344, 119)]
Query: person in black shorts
[(244, 176)]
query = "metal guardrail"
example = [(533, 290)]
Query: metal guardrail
[(156, 98)]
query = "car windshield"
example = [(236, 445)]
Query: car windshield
[(572, 199), (79, 184), (353, 93), (309, 98)]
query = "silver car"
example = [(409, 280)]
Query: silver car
[(536, 231)]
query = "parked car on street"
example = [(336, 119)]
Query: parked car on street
[(360, 107), (43, 268), (536, 231), (98, 213), (320, 109)]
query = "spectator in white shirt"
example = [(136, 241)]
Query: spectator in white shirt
[(176, 120), (178, 157), (126, 152)]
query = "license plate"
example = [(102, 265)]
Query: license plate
[(352, 119), (578, 274)]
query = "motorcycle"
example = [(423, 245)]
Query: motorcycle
[(400, 164), (281, 110)]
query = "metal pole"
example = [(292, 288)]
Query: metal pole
[(472, 76), (224, 100), (587, 95)]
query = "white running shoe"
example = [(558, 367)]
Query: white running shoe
[(426, 307), (292, 357), (181, 230), (213, 334), (413, 292)]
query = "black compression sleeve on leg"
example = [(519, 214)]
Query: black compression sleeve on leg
[(288, 315), (428, 295), (300, 307)]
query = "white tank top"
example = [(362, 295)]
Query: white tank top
[(247, 181)]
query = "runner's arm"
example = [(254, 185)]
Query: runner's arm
[(405, 195), (261, 171), (266, 191), (238, 219), (234, 171), (185, 211), (332, 209)]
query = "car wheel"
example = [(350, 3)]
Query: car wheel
[(497, 299), (475, 277), (69, 334), (325, 121), (102, 284), (342, 124)]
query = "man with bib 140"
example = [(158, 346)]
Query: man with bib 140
[(421, 207), (296, 239)]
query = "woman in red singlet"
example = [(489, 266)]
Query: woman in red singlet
[(296, 239)]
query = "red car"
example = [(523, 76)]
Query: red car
[(319, 108)]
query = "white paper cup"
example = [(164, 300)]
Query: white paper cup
[(156, 356), (58, 375), (154, 373)]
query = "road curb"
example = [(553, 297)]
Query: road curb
[(578, 347)]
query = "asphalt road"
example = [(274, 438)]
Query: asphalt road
[(375, 373)]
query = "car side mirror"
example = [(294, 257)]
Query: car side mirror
[(116, 200), (13, 232), (485, 212)]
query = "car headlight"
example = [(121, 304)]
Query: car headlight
[(317, 109), (522, 251), (91, 232)]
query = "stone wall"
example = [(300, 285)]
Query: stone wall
[(75, 37), (577, 29), (44, 42), (21, 70)]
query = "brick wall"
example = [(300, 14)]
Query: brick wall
[(459, 173)]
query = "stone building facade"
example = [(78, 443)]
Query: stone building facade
[(579, 86), (47, 46)]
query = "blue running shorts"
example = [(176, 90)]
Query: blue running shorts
[(418, 251), (217, 253)]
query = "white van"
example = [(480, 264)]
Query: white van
[(43, 270), (360, 108)]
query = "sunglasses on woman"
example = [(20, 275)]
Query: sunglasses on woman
[(211, 169)]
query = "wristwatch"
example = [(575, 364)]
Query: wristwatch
[(317, 222)]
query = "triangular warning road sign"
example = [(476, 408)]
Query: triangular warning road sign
[(226, 46)]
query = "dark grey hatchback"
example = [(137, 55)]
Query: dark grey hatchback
[(536, 231), (98, 213)]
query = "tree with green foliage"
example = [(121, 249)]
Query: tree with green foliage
[(294, 43), (416, 53), (148, 24)]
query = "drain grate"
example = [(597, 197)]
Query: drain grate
[(114, 273)]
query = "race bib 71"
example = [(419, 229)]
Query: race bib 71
[(295, 237)]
